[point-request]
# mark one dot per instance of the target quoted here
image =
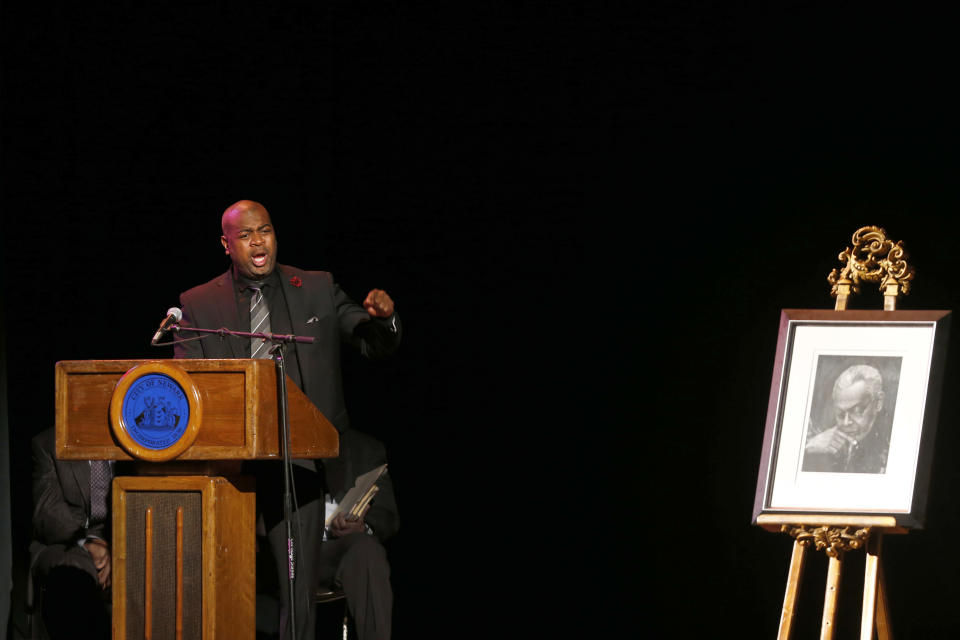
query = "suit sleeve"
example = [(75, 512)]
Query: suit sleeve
[(369, 453), (375, 337), (382, 516), (54, 519)]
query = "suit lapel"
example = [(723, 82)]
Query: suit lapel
[(297, 306), (225, 303), (80, 471)]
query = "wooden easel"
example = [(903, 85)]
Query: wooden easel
[(873, 258), (836, 535)]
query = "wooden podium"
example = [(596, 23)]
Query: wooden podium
[(184, 522)]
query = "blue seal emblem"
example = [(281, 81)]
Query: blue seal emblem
[(155, 411)]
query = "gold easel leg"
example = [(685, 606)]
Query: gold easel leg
[(793, 588), (884, 626), (841, 303), (830, 600), (871, 574), (875, 612)]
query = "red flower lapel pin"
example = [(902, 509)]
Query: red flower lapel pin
[(296, 281)]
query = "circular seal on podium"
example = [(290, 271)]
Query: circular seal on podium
[(155, 411)]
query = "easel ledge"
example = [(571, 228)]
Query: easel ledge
[(774, 521)]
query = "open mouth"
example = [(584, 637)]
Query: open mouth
[(259, 260)]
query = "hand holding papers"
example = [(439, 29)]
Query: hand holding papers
[(357, 500)]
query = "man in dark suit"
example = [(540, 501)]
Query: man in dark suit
[(257, 295), (352, 557), (70, 550)]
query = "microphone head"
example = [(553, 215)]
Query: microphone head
[(176, 313)]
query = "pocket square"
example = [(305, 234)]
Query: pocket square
[(313, 319)]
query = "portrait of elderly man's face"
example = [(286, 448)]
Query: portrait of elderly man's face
[(850, 420), (856, 405)]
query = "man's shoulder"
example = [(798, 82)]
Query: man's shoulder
[(295, 276), (221, 280), (311, 282), (46, 439), (288, 273), (364, 450), (360, 440)]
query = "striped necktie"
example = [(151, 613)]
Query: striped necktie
[(259, 323), (99, 489)]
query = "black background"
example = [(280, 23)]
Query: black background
[(590, 217), (769, 134)]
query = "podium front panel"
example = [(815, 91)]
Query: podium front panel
[(184, 557), (240, 411), (172, 537)]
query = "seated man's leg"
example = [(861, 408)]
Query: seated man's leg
[(307, 532), (358, 564), (72, 604)]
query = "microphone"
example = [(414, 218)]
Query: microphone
[(173, 316)]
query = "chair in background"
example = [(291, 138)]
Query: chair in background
[(324, 596)]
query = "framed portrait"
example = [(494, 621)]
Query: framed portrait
[(852, 413)]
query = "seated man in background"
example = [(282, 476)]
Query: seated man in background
[(70, 551), (352, 556)]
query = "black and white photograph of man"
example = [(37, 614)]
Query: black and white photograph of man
[(852, 414)]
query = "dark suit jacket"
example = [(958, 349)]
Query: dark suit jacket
[(318, 308), (61, 497), (360, 453), (61, 505)]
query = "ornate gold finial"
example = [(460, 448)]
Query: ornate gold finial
[(872, 258), (832, 540)]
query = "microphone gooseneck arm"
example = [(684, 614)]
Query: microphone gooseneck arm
[(276, 338)]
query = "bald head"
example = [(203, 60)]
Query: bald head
[(237, 209), (249, 239)]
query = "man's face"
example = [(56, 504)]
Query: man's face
[(855, 409), (250, 241)]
